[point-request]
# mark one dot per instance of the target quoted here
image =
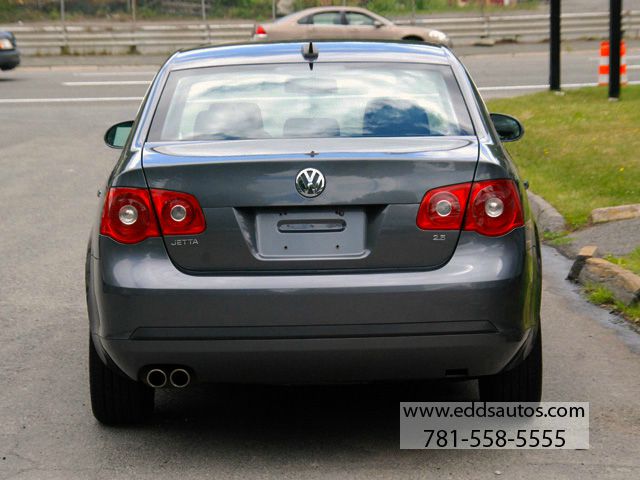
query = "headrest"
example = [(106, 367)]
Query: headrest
[(230, 120), (394, 117)]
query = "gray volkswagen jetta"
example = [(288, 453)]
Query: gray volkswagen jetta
[(312, 213)]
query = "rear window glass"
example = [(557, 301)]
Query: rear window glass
[(292, 100)]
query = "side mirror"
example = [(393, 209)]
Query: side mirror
[(117, 135), (377, 23), (509, 128)]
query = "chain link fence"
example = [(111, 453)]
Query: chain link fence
[(126, 10)]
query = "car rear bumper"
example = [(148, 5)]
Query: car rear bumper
[(9, 59), (321, 360), (470, 317)]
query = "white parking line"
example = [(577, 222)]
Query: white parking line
[(137, 99), (542, 86), (487, 89), (106, 83), (629, 57), (113, 74), (69, 99)]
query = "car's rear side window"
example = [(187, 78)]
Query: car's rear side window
[(357, 18), (293, 100), (327, 18)]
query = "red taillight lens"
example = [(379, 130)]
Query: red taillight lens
[(179, 213), (127, 216), (260, 30), (494, 208), (443, 208)]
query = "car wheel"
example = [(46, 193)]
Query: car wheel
[(520, 384), (116, 399), (413, 38)]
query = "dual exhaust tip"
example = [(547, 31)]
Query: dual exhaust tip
[(177, 378)]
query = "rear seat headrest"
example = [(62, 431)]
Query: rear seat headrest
[(394, 117), (230, 120)]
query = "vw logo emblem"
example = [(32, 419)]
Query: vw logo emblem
[(310, 182)]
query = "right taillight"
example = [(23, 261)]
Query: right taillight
[(260, 30), (492, 208), (443, 208)]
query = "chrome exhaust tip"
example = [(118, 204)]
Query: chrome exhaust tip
[(179, 378), (156, 378)]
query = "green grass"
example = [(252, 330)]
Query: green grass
[(405, 7), (557, 238), (580, 151), (599, 295), (630, 262)]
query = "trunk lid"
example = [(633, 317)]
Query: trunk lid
[(365, 218)]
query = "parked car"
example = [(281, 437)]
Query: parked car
[(9, 54), (346, 23), (326, 212)]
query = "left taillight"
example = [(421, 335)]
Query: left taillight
[(179, 213), (128, 216)]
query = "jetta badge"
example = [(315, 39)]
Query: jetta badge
[(310, 182)]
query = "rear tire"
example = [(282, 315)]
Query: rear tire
[(520, 384), (413, 38), (116, 399)]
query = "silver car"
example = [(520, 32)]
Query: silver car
[(343, 23)]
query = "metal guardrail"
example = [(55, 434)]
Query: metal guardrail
[(162, 38), (107, 37), (520, 27)]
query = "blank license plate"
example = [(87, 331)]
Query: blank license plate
[(311, 233)]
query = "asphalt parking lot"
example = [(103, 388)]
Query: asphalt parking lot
[(504, 70), (52, 162)]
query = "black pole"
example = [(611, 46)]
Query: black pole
[(554, 45), (615, 38)]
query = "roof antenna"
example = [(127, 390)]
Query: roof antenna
[(309, 54)]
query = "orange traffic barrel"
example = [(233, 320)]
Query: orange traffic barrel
[(603, 73)]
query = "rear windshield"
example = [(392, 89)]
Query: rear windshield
[(295, 101)]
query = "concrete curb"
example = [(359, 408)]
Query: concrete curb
[(587, 269), (583, 255), (546, 216), (610, 214)]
